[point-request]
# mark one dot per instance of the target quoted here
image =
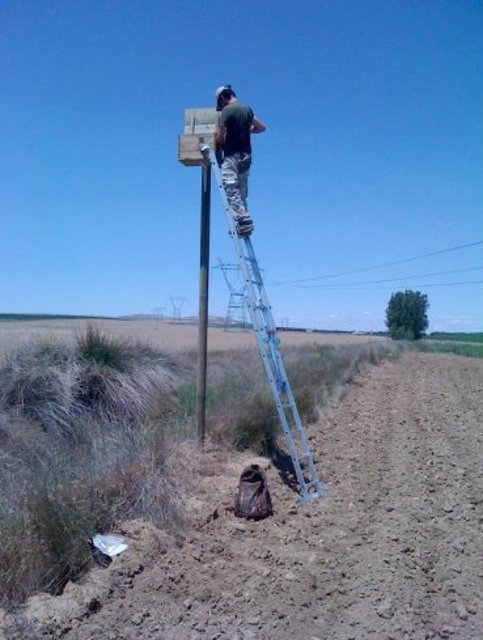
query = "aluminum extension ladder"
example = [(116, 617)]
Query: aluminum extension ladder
[(266, 335)]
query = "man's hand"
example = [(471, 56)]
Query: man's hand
[(257, 126), (219, 155)]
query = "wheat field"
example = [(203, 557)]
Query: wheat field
[(165, 335)]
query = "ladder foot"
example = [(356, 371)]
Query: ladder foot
[(305, 497), (311, 496)]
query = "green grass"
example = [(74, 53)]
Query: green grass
[(457, 337), (458, 348)]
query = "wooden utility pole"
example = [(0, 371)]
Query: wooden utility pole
[(203, 303), (199, 129)]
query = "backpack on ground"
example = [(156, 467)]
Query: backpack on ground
[(252, 498)]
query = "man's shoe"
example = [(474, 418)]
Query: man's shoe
[(244, 226)]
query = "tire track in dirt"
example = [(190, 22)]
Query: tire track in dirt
[(393, 552)]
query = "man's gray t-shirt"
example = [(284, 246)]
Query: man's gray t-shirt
[(237, 118)]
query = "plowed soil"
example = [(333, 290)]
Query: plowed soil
[(394, 551)]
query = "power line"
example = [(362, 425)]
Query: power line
[(419, 275), (349, 287), (378, 266), (450, 284)]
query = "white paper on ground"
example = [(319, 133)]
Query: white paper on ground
[(110, 545)]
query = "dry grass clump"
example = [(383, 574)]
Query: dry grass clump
[(58, 385), (83, 445)]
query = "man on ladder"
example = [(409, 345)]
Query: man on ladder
[(236, 124), (234, 152)]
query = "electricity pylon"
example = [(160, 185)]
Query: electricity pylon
[(177, 303), (236, 313)]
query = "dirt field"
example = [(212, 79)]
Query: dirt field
[(167, 336), (395, 550)]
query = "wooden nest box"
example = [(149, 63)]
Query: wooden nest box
[(200, 127)]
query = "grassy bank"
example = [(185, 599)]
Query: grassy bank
[(241, 410), (98, 431)]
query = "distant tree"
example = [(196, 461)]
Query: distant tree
[(406, 315)]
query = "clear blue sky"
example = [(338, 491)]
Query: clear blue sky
[(373, 154)]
